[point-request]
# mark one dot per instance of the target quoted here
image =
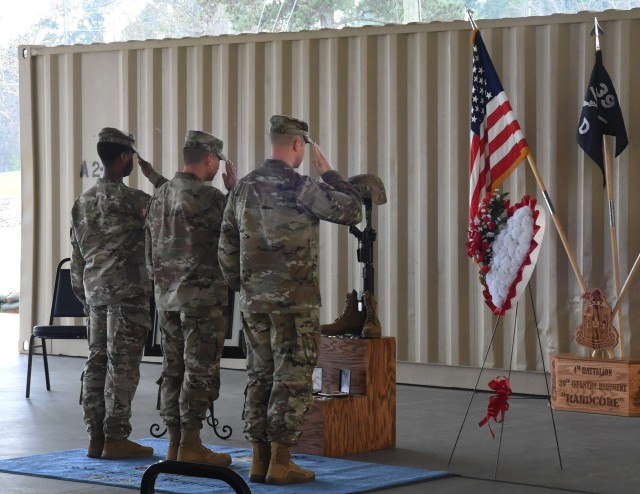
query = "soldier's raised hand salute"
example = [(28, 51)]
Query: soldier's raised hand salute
[(319, 160), (145, 167), (230, 177)]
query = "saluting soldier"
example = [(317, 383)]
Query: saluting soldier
[(183, 229), (269, 252), (109, 277)]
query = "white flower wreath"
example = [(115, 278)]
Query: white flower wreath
[(510, 249), (505, 242)]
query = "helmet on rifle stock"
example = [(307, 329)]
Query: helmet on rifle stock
[(369, 187)]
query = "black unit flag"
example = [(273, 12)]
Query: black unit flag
[(601, 114)]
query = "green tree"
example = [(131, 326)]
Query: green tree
[(484, 9), (546, 7), (9, 109), (295, 15), (492, 9), (444, 10), (176, 19), (166, 18), (90, 26), (65, 22), (69, 22)]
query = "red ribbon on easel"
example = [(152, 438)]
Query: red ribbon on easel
[(498, 403)]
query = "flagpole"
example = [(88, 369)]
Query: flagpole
[(536, 173), (469, 16), (614, 234), (625, 287), (556, 222), (612, 214)]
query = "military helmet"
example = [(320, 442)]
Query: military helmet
[(370, 187)]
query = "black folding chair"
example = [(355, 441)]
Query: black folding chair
[(64, 304), (201, 470)]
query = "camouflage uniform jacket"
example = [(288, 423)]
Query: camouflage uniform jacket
[(183, 229), (156, 179), (269, 243), (107, 237)]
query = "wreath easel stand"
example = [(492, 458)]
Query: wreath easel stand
[(544, 374)]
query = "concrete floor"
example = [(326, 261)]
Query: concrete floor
[(599, 452)]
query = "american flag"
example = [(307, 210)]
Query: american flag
[(498, 145)]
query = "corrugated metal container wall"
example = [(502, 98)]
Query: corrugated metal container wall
[(392, 101)]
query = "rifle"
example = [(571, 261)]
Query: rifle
[(366, 237)]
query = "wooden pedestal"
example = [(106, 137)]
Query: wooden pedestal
[(353, 424), (592, 385)]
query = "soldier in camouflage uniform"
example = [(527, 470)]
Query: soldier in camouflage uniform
[(269, 252), (183, 228), (109, 277)]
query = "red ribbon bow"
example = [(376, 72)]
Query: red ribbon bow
[(498, 403)]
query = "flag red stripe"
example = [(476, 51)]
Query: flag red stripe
[(500, 110), (479, 169), (509, 164), (511, 132), (507, 145), (503, 144), (499, 168)]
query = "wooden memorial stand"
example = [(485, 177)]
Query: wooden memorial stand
[(365, 420), (607, 386)]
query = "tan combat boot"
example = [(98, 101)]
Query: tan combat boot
[(192, 450), (351, 320), (174, 442), (96, 444), (282, 471), (371, 327), (121, 449), (260, 462)]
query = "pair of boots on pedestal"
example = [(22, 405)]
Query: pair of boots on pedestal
[(187, 446), (352, 321), (272, 464)]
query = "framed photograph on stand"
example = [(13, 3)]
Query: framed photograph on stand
[(152, 346), (234, 345)]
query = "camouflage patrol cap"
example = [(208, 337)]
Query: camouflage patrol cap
[(205, 141), (115, 136), (283, 124)]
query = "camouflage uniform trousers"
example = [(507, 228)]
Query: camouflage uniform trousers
[(117, 334), (192, 343), (282, 351)]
